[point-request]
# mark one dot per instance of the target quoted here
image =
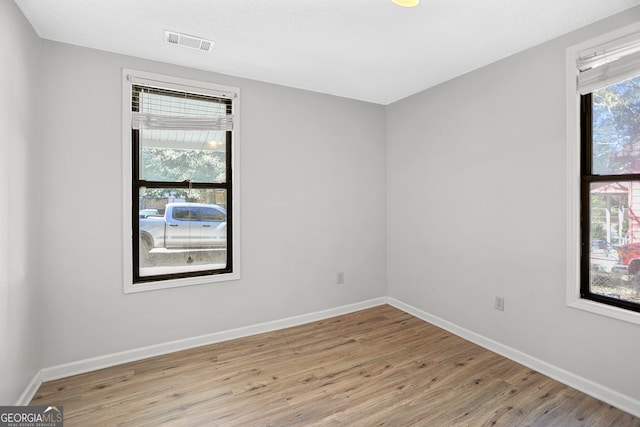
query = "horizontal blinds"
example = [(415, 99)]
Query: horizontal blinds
[(215, 90), (168, 122), (176, 108), (609, 63)]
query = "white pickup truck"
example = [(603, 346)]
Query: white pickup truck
[(184, 226)]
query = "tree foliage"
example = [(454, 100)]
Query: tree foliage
[(616, 128), (171, 164), (178, 165), (615, 150)]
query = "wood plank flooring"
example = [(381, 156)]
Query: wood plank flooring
[(376, 367)]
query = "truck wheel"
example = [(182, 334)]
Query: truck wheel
[(634, 267), (146, 245)]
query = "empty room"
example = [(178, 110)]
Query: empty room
[(279, 213)]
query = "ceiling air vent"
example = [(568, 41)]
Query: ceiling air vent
[(188, 41)]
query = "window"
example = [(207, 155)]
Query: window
[(610, 194), (604, 123), (180, 182)]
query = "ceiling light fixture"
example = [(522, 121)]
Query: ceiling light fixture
[(406, 3)]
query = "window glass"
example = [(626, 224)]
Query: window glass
[(154, 200), (213, 214), (185, 213), (182, 151), (614, 230), (189, 235), (181, 155), (612, 137), (616, 128)]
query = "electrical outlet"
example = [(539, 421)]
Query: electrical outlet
[(340, 277), (499, 304)]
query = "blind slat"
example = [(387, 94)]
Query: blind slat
[(163, 121), (607, 64), (149, 82)]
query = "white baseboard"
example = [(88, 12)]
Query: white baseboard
[(100, 362), (600, 392), (30, 391), (591, 388)]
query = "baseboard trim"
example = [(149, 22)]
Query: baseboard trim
[(28, 393), (584, 385), (100, 362)]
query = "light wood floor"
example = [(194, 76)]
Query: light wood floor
[(376, 367)]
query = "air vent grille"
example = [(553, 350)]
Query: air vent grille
[(173, 38), (190, 42)]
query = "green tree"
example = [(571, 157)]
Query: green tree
[(616, 128), (178, 165), (171, 164)]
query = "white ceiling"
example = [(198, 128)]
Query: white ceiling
[(370, 50)]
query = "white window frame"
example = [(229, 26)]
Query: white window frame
[(573, 180), (169, 82)]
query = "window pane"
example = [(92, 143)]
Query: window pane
[(616, 128), (178, 154), (182, 230), (615, 240), (183, 155)]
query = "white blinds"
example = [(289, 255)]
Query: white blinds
[(169, 122), (180, 107), (608, 63)]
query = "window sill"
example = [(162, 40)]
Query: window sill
[(179, 283), (605, 310)]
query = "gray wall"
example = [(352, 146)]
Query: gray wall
[(19, 139), (477, 181), (312, 203)]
